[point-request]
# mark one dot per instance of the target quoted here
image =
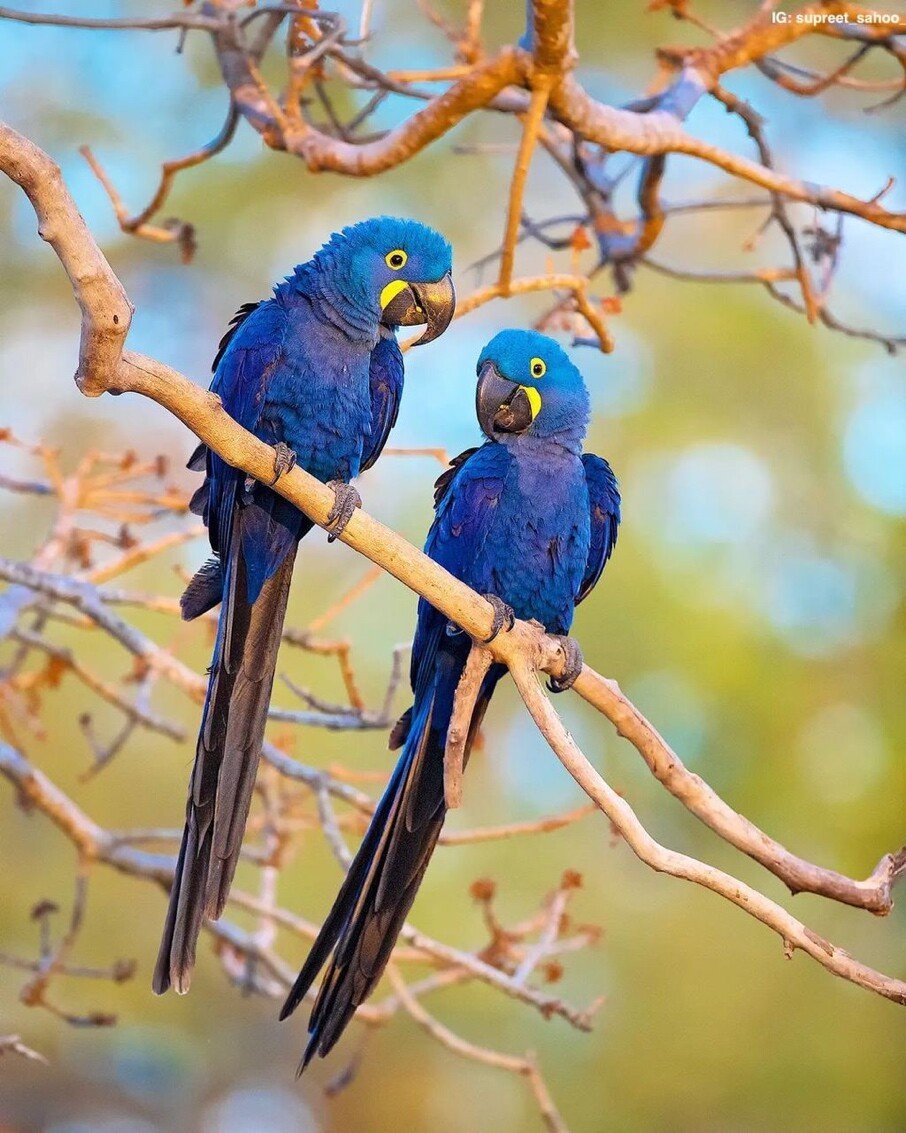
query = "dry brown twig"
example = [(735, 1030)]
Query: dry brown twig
[(173, 231), (525, 650), (477, 665), (248, 957), (54, 960), (13, 1044), (104, 366), (526, 1066), (537, 86)]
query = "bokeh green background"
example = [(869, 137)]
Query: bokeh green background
[(754, 611)]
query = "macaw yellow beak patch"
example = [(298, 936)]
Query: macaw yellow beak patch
[(390, 292), (407, 304), (534, 399)]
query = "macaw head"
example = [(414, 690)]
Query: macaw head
[(397, 272), (527, 385)]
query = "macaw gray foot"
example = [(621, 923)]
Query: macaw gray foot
[(284, 460), (503, 616), (345, 500), (574, 663)]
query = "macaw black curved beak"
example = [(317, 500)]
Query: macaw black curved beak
[(503, 406), (422, 304)]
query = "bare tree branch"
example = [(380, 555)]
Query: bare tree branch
[(524, 649), (529, 81), (477, 665), (534, 84), (793, 933)]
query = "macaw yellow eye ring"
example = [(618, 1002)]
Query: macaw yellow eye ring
[(396, 260), (538, 367)]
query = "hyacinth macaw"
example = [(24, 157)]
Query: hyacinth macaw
[(316, 372), (529, 521)]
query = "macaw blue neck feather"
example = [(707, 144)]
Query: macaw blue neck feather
[(565, 418), (331, 291), (566, 440)]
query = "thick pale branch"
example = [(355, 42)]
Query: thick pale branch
[(648, 134), (661, 132), (106, 310), (874, 893), (525, 649), (552, 32), (793, 933), (762, 36), (475, 90), (467, 690), (521, 81), (547, 63)]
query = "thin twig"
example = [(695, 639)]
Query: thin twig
[(467, 691)]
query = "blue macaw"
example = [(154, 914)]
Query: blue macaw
[(316, 372), (529, 521)]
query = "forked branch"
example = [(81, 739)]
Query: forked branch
[(534, 83), (525, 650)]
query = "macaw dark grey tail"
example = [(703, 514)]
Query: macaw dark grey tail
[(378, 892), (380, 887), (226, 757)]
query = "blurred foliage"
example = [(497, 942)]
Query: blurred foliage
[(753, 609)]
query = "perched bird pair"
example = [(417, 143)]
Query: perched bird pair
[(526, 519)]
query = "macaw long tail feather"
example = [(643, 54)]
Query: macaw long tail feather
[(226, 760), (378, 891), (380, 887)]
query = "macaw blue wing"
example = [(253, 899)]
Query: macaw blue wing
[(444, 481), (386, 376), (465, 495), (604, 503), (235, 323), (249, 353), (464, 498), (198, 460)]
